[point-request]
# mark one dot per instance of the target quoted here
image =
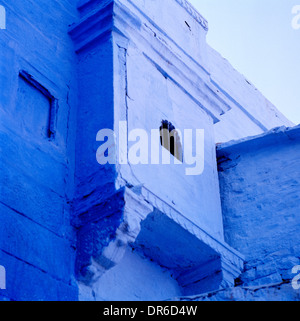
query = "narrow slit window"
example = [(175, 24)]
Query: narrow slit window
[(170, 139)]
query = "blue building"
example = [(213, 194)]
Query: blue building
[(84, 222)]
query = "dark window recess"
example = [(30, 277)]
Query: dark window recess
[(170, 140), (39, 105)]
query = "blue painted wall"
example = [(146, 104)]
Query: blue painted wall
[(37, 243), (260, 191), (59, 208)]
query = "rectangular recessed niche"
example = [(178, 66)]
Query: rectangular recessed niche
[(36, 107)]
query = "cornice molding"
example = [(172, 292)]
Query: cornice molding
[(194, 13), (84, 4), (113, 18), (92, 26)]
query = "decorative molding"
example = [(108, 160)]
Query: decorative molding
[(91, 4), (194, 13), (215, 108), (109, 20), (92, 27)]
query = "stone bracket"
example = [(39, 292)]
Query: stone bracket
[(102, 242)]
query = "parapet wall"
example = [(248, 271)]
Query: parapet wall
[(252, 113), (260, 193)]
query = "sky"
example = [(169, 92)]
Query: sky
[(258, 39)]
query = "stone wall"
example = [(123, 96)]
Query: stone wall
[(271, 292), (37, 113), (260, 192), (139, 61)]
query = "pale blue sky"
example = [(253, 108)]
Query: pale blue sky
[(257, 37)]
